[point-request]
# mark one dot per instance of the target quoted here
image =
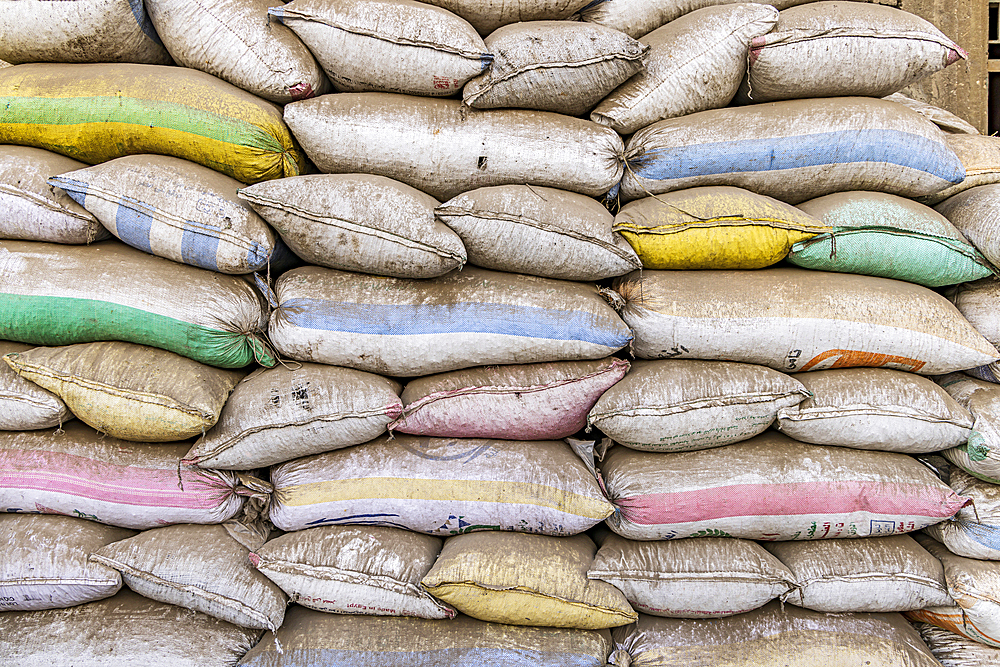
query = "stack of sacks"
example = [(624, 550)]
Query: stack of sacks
[(458, 247)]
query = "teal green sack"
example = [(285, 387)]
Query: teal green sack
[(878, 234)]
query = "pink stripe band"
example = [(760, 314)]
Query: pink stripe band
[(789, 500), (98, 480)]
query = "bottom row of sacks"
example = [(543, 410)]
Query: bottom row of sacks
[(128, 628)]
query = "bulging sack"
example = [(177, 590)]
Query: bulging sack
[(878, 234), (35, 211), (359, 222), (708, 577), (713, 228), (176, 209), (441, 486), (82, 31), (474, 317), (538, 231), (46, 562), (561, 66), (772, 488), (675, 405), (78, 472), (95, 113), (444, 148), (794, 320), (135, 297), (974, 532), (832, 49), (876, 408), (24, 406), (393, 46), (371, 570), (488, 15), (279, 414), (980, 155), (980, 454), (794, 151), (694, 63), (976, 214), (237, 42), (132, 392), (545, 401)]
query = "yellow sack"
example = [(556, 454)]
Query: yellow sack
[(718, 227), (97, 112)]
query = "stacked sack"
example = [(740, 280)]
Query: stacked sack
[(388, 361)]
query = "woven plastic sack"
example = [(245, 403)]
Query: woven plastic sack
[(794, 151), (538, 231), (641, 17), (133, 629), (444, 148), (35, 211), (954, 650), (176, 209), (561, 66), (488, 15), (359, 222), (878, 234), (876, 408), (95, 113), (946, 120), (279, 414), (675, 405), (694, 63), (980, 154), (82, 31), (717, 227), (545, 401), (46, 562), (708, 577), (355, 640), (394, 46), (371, 570), (441, 486), (873, 574), (974, 532), (53, 295), (976, 214), (78, 472), (522, 579), (772, 488), (474, 317), (236, 42), (24, 406), (132, 392), (793, 319), (980, 454)]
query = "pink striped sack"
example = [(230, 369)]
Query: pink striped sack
[(79, 472), (772, 488)]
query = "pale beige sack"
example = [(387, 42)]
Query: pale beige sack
[(775, 635), (524, 579), (793, 319), (876, 408), (372, 570), (358, 222), (33, 210), (538, 231), (695, 63), (488, 15), (394, 46), (561, 66), (955, 650), (197, 567), (126, 629), (238, 42), (979, 303), (976, 213), (24, 406), (706, 577), (974, 532), (873, 574), (281, 413), (980, 153), (841, 49), (133, 392), (445, 148), (943, 118), (313, 638), (980, 454), (677, 405), (45, 562)]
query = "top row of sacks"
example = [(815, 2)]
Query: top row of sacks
[(693, 54)]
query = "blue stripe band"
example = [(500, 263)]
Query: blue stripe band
[(982, 533), (811, 150), (485, 318), (133, 222)]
